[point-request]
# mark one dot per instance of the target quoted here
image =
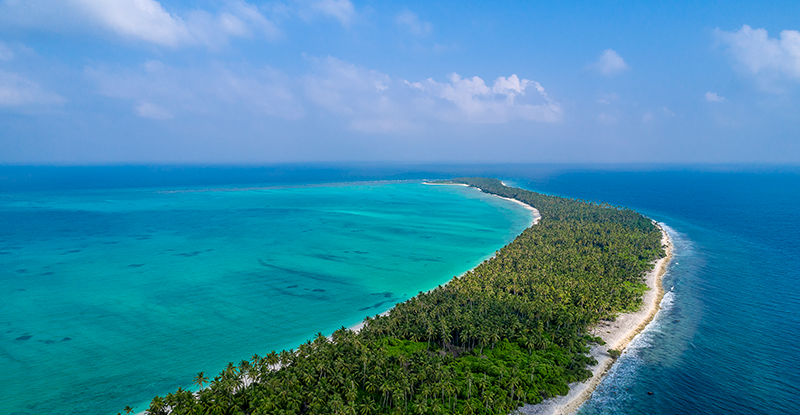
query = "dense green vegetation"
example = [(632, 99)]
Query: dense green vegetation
[(512, 331)]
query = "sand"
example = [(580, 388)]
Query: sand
[(617, 335), (445, 184), (536, 215)]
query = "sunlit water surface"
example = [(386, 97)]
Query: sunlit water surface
[(111, 296)]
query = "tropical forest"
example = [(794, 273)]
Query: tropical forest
[(512, 331)]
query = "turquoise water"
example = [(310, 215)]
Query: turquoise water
[(110, 296), (725, 343)]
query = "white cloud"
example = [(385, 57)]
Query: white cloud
[(5, 53), (141, 19), (713, 97), (160, 91), (374, 101), (367, 98), (364, 99), (754, 52), (17, 91), (345, 88), (148, 110), (243, 18), (610, 63), (477, 102), (410, 21), (668, 112), (341, 10)]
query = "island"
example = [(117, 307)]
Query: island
[(517, 330)]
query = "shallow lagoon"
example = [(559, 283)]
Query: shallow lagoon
[(109, 297)]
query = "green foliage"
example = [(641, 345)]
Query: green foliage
[(397, 347), (512, 331)]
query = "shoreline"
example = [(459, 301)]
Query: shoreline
[(617, 334), (536, 216)]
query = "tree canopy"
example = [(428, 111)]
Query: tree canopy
[(511, 331)]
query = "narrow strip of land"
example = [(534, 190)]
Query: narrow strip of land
[(516, 329)]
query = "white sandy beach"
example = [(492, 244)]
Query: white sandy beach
[(536, 215), (445, 184), (617, 335)]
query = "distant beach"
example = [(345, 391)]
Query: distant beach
[(536, 214)]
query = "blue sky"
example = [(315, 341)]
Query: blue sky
[(147, 81)]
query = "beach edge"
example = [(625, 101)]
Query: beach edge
[(535, 218), (617, 335)]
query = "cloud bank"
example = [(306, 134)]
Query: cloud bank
[(162, 92), (765, 58), (474, 101), (364, 99), (144, 20)]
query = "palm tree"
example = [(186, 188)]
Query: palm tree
[(530, 343), (368, 407), (157, 406), (200, 380)]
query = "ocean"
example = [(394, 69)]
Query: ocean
[(121, 283), (110, 296), (726, 340)]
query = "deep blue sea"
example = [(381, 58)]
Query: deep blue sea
[(156, 273), (728, 338)]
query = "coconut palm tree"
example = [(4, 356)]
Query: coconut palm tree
[(200, 380)]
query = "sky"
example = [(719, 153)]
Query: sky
[(233, 81)]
